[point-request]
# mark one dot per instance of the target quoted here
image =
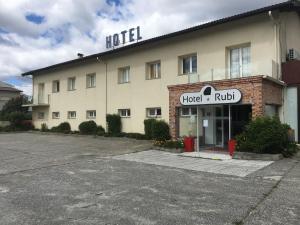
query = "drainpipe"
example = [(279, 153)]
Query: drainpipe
[(106, 91), (277, 45)]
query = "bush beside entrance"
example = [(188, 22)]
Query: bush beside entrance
[(266, 135)]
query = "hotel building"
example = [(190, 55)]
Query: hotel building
[(253, 55)]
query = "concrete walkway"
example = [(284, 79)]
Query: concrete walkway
[(239, 168)]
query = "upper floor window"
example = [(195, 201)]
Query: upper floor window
[(240, 59), (188, 64), (55, 86), (124, 75), (153, 112), (72, 114), (71, 83), (91, 114), (91, 80), (55, 115), (124, 112), (153, 70)]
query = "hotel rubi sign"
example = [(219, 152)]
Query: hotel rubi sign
[(210, 96)]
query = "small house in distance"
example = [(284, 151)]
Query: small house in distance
[(7, 92)]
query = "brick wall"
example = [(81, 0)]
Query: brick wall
[(256, 90)]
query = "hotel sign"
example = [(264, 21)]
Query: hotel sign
[(209, 96), (126, 36)]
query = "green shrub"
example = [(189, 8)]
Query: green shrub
[(44, 127), (88, 127), (114, 124), (173, 144), (64, 127), (16, 118), (27, 125), (264, 135), (161, 130), (148, 128), (100, 131), (291, 150)]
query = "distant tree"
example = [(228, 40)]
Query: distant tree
[(14, 105)]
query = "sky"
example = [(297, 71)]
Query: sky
[(35, 33)]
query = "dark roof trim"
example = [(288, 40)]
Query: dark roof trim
[(288, 5)]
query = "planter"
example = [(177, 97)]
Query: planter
[(256, 156)]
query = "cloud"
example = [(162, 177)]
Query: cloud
[(41, 33)]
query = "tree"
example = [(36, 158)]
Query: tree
[(14, 105)]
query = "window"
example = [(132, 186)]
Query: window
[(72, 114), (124, 112), (71, 83), (124, 75), (188, 64), (188, 111), (153, 112), (55, 86), (240, 60), (153, 70), (91, 114), (91, 80), (41, 115), (271, 110), (55, 115)]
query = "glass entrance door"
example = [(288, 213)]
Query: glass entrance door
[(221, 126)]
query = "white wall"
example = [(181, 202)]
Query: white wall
[(291, 108)]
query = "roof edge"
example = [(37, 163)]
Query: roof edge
[(291, 4)]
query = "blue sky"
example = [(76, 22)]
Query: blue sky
[(41, 33)]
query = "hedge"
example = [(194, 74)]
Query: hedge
[(264, 135), (161, 131), (113, 124), (88, 127), (148, 128)]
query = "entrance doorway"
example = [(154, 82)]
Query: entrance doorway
[(218, 124)]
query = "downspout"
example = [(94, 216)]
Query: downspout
[(278, 50), (106, 91), (277, 45)]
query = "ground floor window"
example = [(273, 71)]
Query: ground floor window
[(41, 115), (188, 111), (91, 114), (125, 113), (153, 112), (72, 114), (55, 115), (271, 110)]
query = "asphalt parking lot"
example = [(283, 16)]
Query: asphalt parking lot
[(52, 179)]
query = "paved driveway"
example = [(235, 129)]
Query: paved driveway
[(49, 179)]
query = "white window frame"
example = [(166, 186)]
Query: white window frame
[(41, 117), (124, 113), (91, 80), (157, 68), (190, 59), (190, 111), (91, 114), (70, 116), (124, 75), (155, 115), (55, 86), (242, 72), (71, 83), (55, 115)]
